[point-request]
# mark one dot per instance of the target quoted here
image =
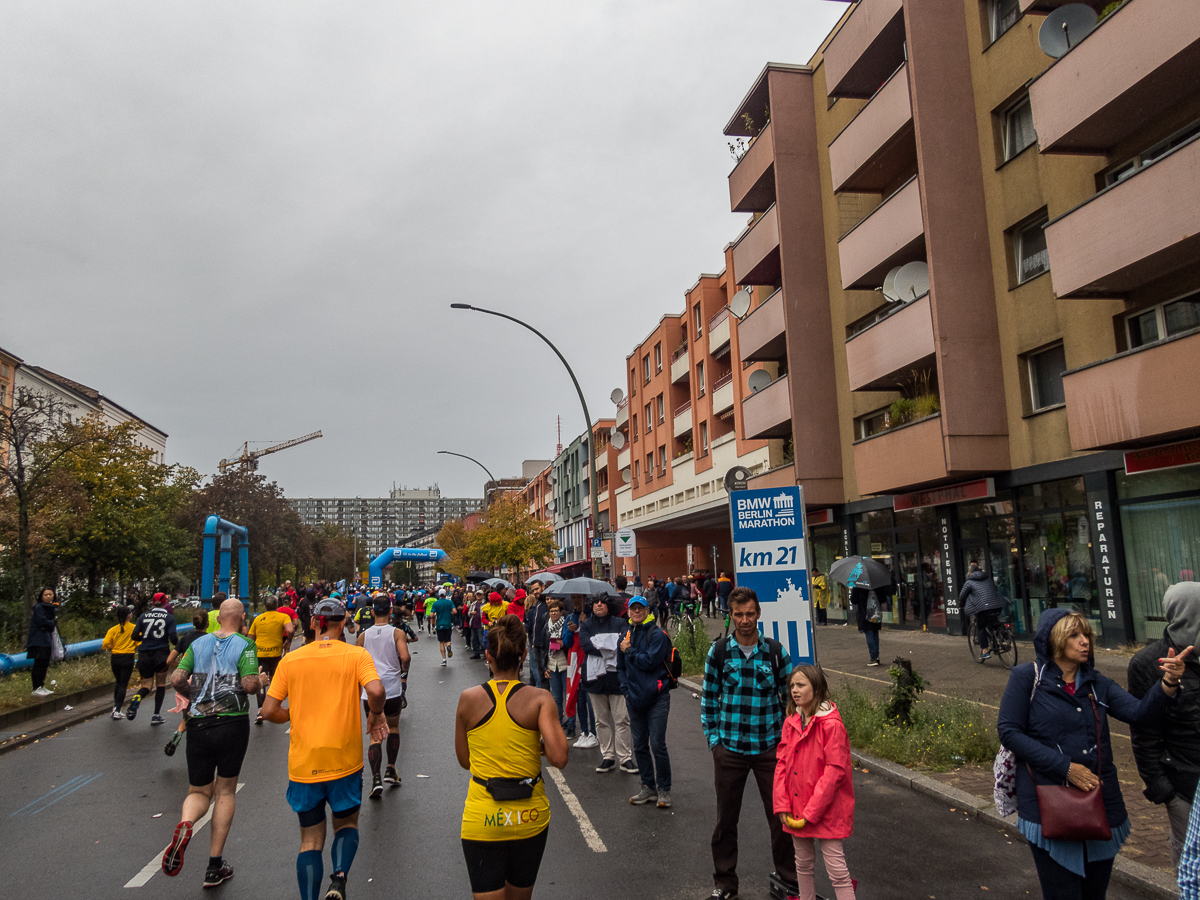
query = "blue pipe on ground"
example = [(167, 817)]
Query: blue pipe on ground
[(10, 663)]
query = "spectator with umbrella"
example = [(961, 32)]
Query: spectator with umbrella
[(864, 576)]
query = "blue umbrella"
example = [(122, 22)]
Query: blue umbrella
[(860, 571)]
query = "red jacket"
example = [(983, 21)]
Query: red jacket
[(813, 779)]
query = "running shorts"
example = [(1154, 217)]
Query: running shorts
[(150, 663), (269, 664), (307, 799), (492, 864), (445, 635), (216, 749), (391, 707)]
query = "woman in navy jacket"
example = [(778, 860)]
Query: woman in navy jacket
[(1046, 720), (41, 636)]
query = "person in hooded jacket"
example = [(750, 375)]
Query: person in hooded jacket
[(1048, 719), (979, 598), (1168, 753), (641, 668), (604, 689), (814, 788), (42, 623)]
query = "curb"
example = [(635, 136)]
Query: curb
[(1153, 882), (73, 717)]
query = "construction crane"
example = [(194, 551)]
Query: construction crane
[(248, 461)]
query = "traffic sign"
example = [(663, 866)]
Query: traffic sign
[(626, 543)]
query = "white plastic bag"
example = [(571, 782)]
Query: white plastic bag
[(56, 647)]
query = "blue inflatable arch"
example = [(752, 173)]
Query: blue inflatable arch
[(401, 554)]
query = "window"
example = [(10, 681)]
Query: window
[(696, 318), (637, 467), (1029, 250), (700, 379), (1002, 15), (704, 439), (658, 357), (1018, 128), (646, 369), (649, 418), (1163, 321), (1159, 150), (1045, 378), (660, 409), (871, 423), (649, 466), (633, 382), (662, 459), (633, 427)]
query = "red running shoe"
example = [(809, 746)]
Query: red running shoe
[(172, 861)]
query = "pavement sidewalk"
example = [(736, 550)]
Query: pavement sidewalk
[(946, 663)]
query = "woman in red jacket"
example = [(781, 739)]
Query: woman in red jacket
[(814, 790)]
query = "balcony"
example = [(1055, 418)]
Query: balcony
[(1138, 63), (1133, 232), (866, 49), (722, 395), (1141, 396), (768, 413), (756, 254), (718, 333), (762, 335), (877, 147), (900, 458), (683, 420), (680, 364), (602, 460), (623, 459), (623, 413), (752, 181), (894, 233), (878, 358)]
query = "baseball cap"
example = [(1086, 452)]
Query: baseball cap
[(633, 601), (330, 608), (381, 604), (160, 597)]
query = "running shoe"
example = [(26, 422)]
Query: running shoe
[(443, 662), (391, 776), (873, 662), (173, 743), (337, 887), (719, 894), (984, 655), (644, 796), (607, 765), (156, 719), (629, 767), (172, 860), (259, 720), (587, 742), (215, 875), (376, 787), (449, 650), (664, 799), (43, 691), (131, 710), (403, 702), (117, 714)]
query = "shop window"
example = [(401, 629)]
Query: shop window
[(1051, 495), (1002, 15), (704, 439), (1165, 320), (1018, 128), (1045, 378), (1129, 167), (658, 357), (1030, 256)]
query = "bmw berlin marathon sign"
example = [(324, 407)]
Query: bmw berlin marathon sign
[(770, 557)]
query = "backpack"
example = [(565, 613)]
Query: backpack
[(673, 664), (721, 653)]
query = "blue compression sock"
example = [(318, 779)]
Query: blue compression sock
[(310, 872), (345, 845)]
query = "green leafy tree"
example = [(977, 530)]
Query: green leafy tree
[(455, 540), (332, 552), (510, 536)]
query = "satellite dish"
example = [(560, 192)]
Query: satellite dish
[(889, 284), (550, 504), (618, 440), (740, 304), (912, 281), (612, 432), (551, 479), (1066, 27), (758, 380), (626, 475), (617, 395)]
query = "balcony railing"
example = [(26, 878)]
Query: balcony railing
[(722, 381), (718, 318), (893, 233), (756, 253), (866, 49), (684, 408), (877, 146)]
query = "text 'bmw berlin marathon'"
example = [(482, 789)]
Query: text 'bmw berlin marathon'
[(770, 556)]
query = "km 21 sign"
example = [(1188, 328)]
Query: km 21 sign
[(770, 556)]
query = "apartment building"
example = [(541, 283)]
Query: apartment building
[(684, 422), (8, 371), (1001, 363), (570, 503)]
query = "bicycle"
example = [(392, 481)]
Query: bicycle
[(1002, 643), (687, 617)]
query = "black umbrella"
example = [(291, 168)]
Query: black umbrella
[(479, 576), (544, 578), (587, 586), (861, 571), (497, 584)]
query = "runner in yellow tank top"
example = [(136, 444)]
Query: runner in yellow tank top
[(501, 731)]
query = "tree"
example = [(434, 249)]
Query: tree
[(332, 552), (510, 536), (34, 440), (455, 541)]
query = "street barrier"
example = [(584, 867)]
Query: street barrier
[(10, 663)]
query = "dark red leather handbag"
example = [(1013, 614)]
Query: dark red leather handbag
[(1069, 814)]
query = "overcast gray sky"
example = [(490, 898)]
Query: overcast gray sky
[(246, 221)]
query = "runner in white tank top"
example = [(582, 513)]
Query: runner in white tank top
[(388, 647)]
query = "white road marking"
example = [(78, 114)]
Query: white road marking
[(155, 865), (576, 808)]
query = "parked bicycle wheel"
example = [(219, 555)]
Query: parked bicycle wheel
[(971, 642)]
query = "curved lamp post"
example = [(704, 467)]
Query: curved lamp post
[(472, 459), (596, 573)]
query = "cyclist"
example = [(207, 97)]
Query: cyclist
[(980, 598)]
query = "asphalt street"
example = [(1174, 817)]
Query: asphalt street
[(86, 811)]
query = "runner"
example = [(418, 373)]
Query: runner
[(443, 611), (325, 756), (271, 632), (120, 642), (199, 624), (388, 647), (225, 669), (430, 600), (156, 630), (418, 600), (304, 612), (500, 731)]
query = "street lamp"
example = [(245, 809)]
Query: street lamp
[(586, 416), (477, 462)]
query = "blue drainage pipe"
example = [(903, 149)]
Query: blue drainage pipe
[(10, 663)]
